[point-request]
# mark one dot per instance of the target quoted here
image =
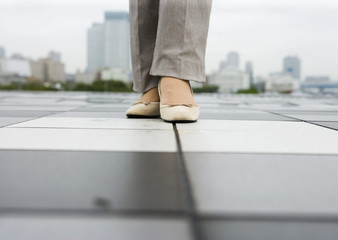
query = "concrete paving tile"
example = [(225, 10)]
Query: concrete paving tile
[(90, 114), (316, 117), (15, 100), (314, 107), (87, 139), (267, 230), (115, 181), (25, 113), (232, 110), (241, 116), (5, 121), (37, 108), (264, 184), (102, 109), (93, 228), (299, 112), (328, 124), (98, 123), (59, 103), (257, 137)]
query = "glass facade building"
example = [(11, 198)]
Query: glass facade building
[(108, 43)]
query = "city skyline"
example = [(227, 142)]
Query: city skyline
[(275, 30)]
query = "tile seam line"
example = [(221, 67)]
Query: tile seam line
[(169, 152), (186, 189), (272, 217), (263, 153), (91, 212), (7, 126), (305, 121), (81, 151), (83, 128)]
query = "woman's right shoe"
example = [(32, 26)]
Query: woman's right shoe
[(180, 113), (144, 109)]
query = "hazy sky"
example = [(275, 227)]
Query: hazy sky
[(263, 31)]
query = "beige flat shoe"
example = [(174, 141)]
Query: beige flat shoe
[(144, 109), (183, 113)]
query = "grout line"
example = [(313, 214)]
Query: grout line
[(188, 200), (271, 217), (305, 121), (27, 120), (319, 125), (284, 116), (91, 212), (88, 128)]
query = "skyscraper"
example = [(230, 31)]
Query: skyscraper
[(55, 56), (108, 43), (231, 63), (292, 66), (233, 60), (249, 70), (2, 52), (95, 51)]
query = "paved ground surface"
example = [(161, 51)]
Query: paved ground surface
[(253, 167)]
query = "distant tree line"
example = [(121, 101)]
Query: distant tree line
[(96, 86), (101, 86), (206, 89)]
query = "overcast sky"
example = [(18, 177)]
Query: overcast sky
[(263, 31)]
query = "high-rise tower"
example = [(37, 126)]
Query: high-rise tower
[(2, 52), (292, 66), (54, 56), (108, 43), (233, 60), (249, 70)]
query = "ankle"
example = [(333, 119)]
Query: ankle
[(150, 95), (176, 91), (174, 82)]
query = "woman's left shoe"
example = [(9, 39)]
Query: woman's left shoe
[(179, 113), (144, 109)]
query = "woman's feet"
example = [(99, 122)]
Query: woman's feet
[(147, 106), (177, 101), (173, 100)]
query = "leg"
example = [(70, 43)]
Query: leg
[(180, 48), (143, 29), (181, 39)]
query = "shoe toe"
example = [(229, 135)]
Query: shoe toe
[(180, 113), (144, 110)]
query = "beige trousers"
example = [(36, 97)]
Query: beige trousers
[(168, 38)]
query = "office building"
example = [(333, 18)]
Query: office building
[(14, 70), (2, 52), (108, 43), (86, 77), (281, 82), (95, 48), (292, 66), (54, 56), (229, 78), (233, 60), (47, 70), (249, 70), (317, 79)]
